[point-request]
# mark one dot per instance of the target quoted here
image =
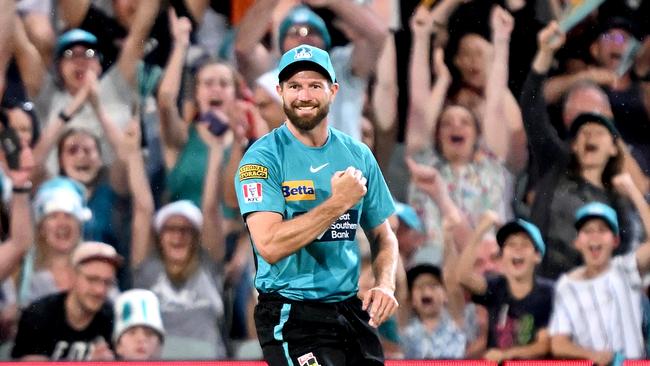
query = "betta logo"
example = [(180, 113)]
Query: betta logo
[(298, 190)]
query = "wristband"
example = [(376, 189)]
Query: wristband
[(64, 117), (26, 188)]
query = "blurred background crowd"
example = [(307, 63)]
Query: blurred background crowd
[(123, 123)]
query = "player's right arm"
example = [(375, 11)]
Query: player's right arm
[(275, 238)]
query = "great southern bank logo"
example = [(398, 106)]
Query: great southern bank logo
[(298, 190)]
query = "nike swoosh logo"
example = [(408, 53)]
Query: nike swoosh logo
[(316, 169)]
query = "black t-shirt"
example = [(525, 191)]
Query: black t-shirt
[(43, 330), (515, 322)]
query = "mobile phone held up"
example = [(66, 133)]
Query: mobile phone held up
[(11, 147), (215, 125)]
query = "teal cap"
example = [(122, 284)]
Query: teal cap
[(302, 14), (408, 215), (305, 57), (597, 210), (518, 226), (74, 37)]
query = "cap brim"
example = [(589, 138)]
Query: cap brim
[(116, 260), (420, 269), (72, 44), (302, 65), (508, 229), (581, 221)]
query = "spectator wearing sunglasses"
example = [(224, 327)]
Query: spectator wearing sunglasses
[(62, 94)]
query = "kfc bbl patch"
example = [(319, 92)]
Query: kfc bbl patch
[(252, 192)]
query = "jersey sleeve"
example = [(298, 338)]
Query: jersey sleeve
[(378, 203), (258, 183)]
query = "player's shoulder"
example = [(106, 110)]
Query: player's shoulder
[(349, 142), (267, 146)]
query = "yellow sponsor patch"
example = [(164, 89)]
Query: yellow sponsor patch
[(298, 190), (253, 171)]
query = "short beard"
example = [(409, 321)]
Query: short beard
[(306, 124)]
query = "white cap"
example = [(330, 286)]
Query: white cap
[(183, 208), (95, 250), (137, 307), (268, 82), (61, 194)]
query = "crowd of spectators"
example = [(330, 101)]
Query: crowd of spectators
[(517, 147)]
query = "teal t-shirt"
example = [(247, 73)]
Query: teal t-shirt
[(280, 174)]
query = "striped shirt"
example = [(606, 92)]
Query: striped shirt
[(602, 313)]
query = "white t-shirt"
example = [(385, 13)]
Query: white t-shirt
[(603, 313)]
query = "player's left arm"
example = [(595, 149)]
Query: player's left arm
[(380, 300)]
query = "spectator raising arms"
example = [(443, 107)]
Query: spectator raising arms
[(517, 300), (598, 313), (184, 268), (449, 138)]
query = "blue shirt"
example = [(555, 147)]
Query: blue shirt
[(446, 341), (281, 174)]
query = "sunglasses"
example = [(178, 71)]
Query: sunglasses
[(89, 53)]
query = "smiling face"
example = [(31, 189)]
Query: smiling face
[(60, 232), (92, 281), (177, 239), (73, 65), (306, 98), (519, 256), (427, 296), (596, 242), (471, 60), (215, 87), (609, 48), (594, 145), (457, 134), (79, 157)]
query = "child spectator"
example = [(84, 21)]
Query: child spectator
[(517, 301), (139, 333), (597, 313), (433, 333)]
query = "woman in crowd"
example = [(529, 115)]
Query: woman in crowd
[(181, 260), (449, 137)]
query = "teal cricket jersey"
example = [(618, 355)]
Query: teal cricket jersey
[(280, 174)]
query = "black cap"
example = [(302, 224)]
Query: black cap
[(583, 118), (415, 271), (619, 22)]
